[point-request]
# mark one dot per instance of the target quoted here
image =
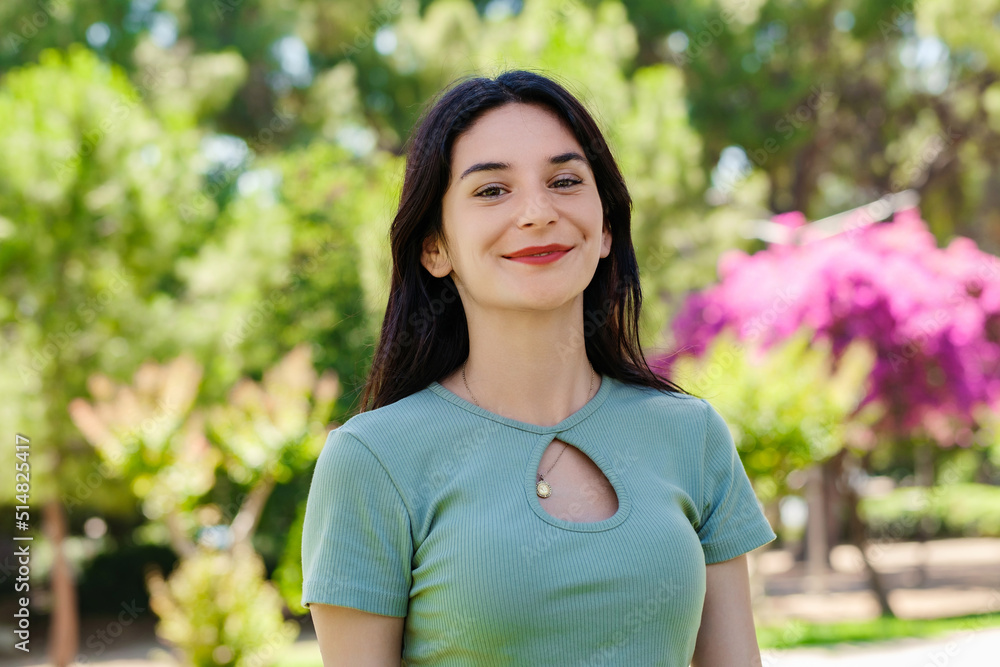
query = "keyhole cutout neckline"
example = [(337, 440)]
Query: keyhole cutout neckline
[(545, 436), (603, 465), (603, 390)]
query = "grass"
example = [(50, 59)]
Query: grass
[(800, 633)]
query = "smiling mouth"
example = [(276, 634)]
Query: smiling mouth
[(539, 254), (540, 258)]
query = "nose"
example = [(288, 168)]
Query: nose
[(538, 208)]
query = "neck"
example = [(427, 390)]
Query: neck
[(530, 366)]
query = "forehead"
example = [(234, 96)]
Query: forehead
[(513, 131)]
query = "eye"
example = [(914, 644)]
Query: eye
[(569, 181), (489, 189)]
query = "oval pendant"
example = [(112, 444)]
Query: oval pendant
[(543, 489)]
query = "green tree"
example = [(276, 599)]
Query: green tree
[(791, 409), (90, 230), (780, 421), (119, 246), (839, 103), (173, 458)]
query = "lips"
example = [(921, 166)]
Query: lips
[(539, 250)]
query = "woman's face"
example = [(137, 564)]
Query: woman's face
[(519, 178)]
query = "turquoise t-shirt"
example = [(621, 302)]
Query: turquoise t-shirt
[(426, 508)]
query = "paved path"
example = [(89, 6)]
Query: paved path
[(937, 579)]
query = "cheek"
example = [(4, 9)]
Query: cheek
[(589, 211), (473, 242)]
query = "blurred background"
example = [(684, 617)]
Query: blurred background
[(194, 206)]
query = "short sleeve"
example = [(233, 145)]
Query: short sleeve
[(731, 519), (356, 542)]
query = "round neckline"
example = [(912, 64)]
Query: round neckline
[(585, 411)]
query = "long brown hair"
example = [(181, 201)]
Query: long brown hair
[(424, 333)]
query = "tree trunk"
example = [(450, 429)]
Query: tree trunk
[(833, 500), (858, 536), (64, 639), (923, 468), (817, 547)]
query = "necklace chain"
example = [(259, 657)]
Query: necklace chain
[(543, 492)]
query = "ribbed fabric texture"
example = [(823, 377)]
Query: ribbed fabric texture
[(426, 509)]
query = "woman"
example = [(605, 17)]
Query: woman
[(521, 487)]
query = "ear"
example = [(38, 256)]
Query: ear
[(606, 239), (434, 257)]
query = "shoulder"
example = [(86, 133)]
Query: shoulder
[(404, 436), (406, 418), (690, 421), (642, 400)]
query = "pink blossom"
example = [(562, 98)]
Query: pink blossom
[(931, 314)]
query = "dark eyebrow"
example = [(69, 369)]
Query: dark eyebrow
[(566, 157), (484, 166), (500, 166)]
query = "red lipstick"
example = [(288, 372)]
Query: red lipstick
[(543, 254)]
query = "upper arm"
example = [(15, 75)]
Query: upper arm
[(731, 523), (356, 556), (353, 638), (727, 636), (357, 548)]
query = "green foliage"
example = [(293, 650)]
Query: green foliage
[(218, 609), (787, 408), (967, 27), (91, 230), (831, 102), (30, 27), (989, 435), (143, 434), (959, 464), (288, 575), (174, 457), (799, 633), (264, 433), (269, 430), (334, 290), (960, 510)]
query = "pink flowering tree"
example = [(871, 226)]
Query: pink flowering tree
[(931, 314)]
